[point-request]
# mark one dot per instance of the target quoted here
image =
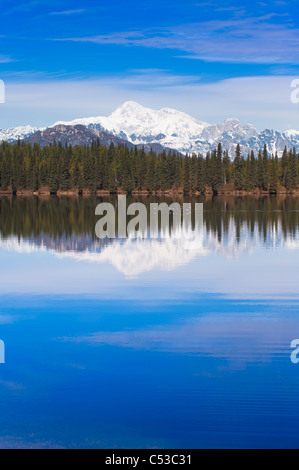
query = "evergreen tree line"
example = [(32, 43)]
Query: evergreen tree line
[(73, 219), (27, 167)]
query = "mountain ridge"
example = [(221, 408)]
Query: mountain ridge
[(171, 129), (81, 135)]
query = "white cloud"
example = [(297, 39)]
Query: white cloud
[(262, 101), (67, 12), (5, 60), (236, 40)]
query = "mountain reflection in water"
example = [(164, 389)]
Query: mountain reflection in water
[(174, 342), (66, 227)]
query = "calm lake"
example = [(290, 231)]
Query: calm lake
[(173, 342)]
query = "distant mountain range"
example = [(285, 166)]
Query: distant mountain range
[(133, 124), (81, 135)]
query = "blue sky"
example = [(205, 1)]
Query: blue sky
[(66, 59)]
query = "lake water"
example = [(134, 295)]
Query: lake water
[(172, 342)]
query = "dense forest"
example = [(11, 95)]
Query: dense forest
[(98, 168)]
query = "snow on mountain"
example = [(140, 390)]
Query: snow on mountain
[(174, 129), (14, 133), (141, 125), (292, 133)]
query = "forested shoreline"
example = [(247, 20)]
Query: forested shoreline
[(57, 169)]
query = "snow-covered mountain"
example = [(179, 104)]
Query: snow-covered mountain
[(174, 129), (12, 134), (141, 125)]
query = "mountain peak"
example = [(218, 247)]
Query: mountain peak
[(129, 108), (130, 105), (167, 128), (232, 120)]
